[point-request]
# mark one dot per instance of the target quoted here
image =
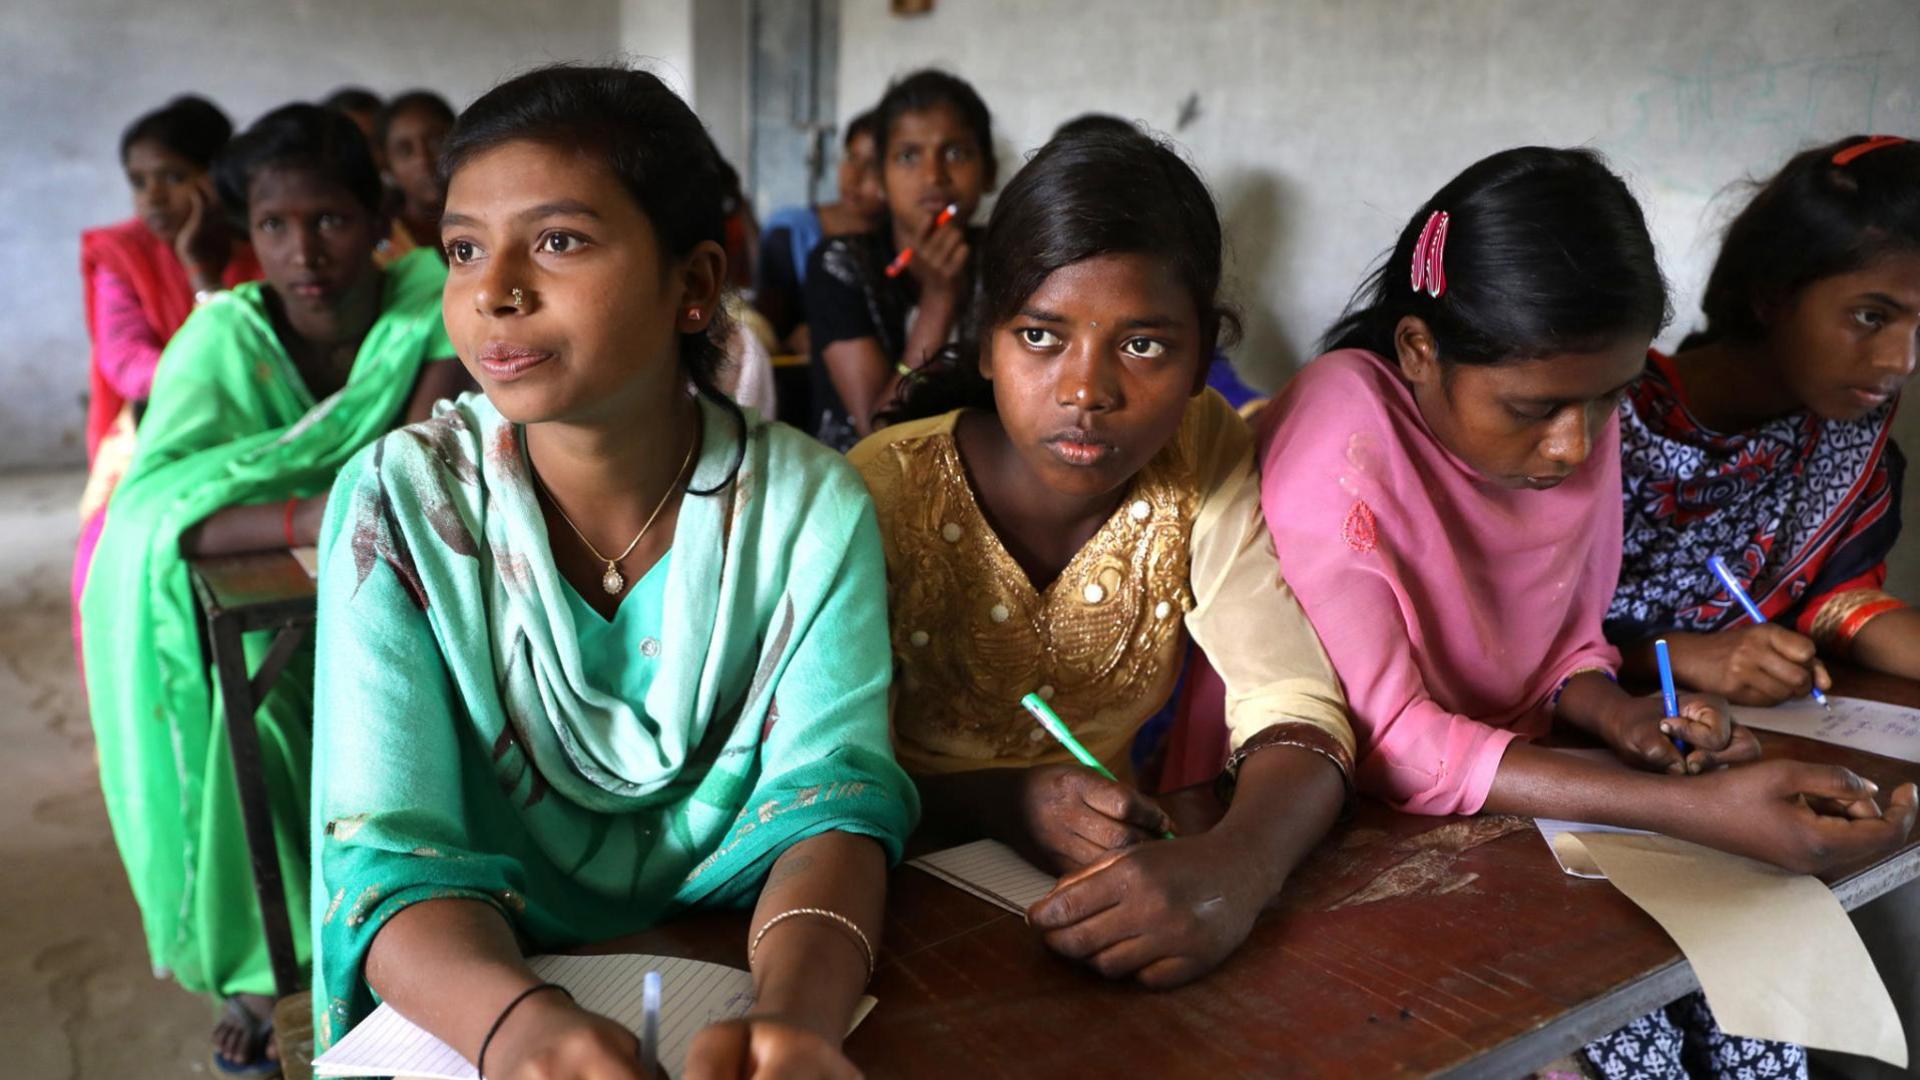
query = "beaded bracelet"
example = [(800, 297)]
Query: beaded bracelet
[(480, 1063), (859, 935)]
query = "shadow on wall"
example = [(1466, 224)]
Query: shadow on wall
[(1256, 214)]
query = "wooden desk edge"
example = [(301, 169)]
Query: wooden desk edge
[(1580, 1025)]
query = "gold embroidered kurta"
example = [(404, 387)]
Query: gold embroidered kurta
[(1186, 552)]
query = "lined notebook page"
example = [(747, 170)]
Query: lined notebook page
[(991, 871), (693, 995)]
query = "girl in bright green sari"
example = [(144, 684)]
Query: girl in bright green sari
[(258, 400), (595, 651)]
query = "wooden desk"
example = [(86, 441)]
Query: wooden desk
[(1406, 946), (240, 594)]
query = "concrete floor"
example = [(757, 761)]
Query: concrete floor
[(77, 996)]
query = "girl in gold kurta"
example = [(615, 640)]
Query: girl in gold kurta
[(1070, 504)]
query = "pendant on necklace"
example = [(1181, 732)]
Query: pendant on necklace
[(612, 581)]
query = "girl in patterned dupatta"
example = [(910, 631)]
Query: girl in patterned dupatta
[(258, 401), (595, 651), (1764, 440)]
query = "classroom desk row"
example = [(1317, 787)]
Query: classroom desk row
[(1405, 946)]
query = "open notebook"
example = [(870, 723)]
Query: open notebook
[(991, 871), (693, 995)]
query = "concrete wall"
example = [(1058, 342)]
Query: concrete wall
[(73, 73), (1321, 124)]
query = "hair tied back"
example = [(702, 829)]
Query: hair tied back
[(1429, 256), (1875, 142)]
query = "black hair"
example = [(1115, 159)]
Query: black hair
[(423, 100), (652, 143), (1097, 121), (867, 123), (299, 136), (1812, 220), (352, 99), (1082, 195), (929, 89), (1546, 252), (189, 125)]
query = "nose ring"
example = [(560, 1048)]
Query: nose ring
[(519, 299)]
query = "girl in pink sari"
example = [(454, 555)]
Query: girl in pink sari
[(1443, 488)]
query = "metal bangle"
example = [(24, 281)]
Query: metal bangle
[(859, 935)]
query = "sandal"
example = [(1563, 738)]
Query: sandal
[(257, 1065)]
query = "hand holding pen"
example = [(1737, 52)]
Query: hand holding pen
[(1761, 664)]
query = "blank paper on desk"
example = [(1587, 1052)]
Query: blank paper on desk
[(1773, 950), (693, 995), (991, 871), (1873, 726)]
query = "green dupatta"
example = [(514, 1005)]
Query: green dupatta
[(230, 422), (462, 750)]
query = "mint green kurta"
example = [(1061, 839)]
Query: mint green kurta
[(470, 743), (230, 422)]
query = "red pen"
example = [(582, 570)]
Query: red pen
[(901, 261)]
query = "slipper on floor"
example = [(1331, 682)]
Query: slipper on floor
[(259, 1029)]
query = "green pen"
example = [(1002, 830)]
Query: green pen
[(1057, 728)]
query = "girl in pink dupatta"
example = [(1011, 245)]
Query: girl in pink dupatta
[(1444, 491)]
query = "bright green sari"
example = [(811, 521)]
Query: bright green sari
[(464, 749), (230, 422)]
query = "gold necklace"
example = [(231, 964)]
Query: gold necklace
[(613, 581)]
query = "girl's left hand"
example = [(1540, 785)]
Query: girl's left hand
[(1163, 913), (1643, 737), (765, 1046)]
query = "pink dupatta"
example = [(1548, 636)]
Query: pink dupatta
[(1452, 607)]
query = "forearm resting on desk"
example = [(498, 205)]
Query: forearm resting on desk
[(256, 527)]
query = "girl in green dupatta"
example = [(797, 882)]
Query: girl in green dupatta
[(517, 749), (258, 400)]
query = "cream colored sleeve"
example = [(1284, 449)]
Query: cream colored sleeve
[(1245, 617)]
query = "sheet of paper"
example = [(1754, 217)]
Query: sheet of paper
[(991, 871), (1572, 857), (309, 559), (1773, 950), (1876, 727), (693, 995)]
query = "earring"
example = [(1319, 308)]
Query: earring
[(693, 313)]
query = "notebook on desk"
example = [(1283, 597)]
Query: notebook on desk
[(693, 995), (991, 871)]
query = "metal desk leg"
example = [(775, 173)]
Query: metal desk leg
[(242, 697)]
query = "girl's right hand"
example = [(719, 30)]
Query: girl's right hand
[(1072, 816), (548, 1037), (203, 245), (1759, 665), (1803, 817), (940, 259)]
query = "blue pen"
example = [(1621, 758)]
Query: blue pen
[(1739, 593), (1666, 686), (650, 1024)]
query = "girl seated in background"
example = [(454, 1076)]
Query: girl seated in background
[(408, 133), (142, 278), (1443, 490), (258, 401), (1765, 440), (936, 151), (793, 232), (1069, 504), (594, 648)]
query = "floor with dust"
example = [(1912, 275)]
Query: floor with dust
[(77, 996)]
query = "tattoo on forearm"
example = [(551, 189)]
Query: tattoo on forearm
[(790, 867)]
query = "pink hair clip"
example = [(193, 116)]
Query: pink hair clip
[(1872, 143), (1429, 256)]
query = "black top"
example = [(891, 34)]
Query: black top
[(849, 297)]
